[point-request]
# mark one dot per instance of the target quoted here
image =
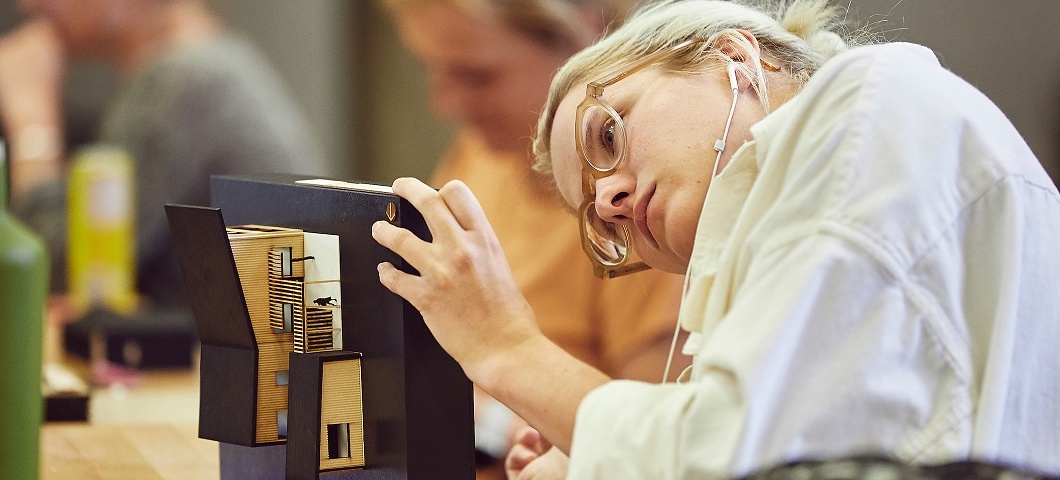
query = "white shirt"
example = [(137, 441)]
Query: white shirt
[(877, 272)]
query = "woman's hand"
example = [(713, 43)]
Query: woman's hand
[(470, 302), (465, 289), (534, 458)]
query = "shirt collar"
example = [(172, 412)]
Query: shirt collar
[(727, 195), (725, 198), (722, 207)]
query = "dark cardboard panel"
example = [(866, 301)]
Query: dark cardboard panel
[(303, 416), (210, 277), (227, 385), (267, 463)]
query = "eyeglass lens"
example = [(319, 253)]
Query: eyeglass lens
[(604, 137), (607, 240)]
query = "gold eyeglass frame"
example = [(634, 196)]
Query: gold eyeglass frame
[(591, 173)]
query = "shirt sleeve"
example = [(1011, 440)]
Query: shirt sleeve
[(784, 375), (196, 113)]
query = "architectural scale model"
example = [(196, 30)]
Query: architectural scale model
[(292, 373)]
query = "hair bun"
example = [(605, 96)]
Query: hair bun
[(814, 21), (827, 43)]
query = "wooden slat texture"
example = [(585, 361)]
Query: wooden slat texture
[(251, 253), (341, 403), (272, 357), (126, 452), (276, 283), (252, 248), (315, 334)]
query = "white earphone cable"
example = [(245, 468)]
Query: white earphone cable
[(719, 146)]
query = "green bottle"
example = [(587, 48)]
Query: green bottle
[(23, 292)]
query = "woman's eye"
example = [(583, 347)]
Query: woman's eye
[(607, 135)]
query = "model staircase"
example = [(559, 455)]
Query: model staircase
[(315, 334), (284, 290)]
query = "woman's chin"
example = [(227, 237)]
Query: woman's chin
[(663, 262), (674, 268)]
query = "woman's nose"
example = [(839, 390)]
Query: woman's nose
[(614, 198)]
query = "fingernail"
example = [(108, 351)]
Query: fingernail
[(375, 226)]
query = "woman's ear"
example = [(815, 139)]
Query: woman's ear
[(743, 49)]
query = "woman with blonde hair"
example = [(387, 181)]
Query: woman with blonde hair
[(865, 237)]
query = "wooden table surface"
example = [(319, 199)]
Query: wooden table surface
[(88, 451), (144, 429)]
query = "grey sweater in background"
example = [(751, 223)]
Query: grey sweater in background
[(214, 108)]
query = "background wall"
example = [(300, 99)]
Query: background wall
[(367, 98), (1009, 49), (313, 44)]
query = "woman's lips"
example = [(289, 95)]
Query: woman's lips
[(640, 218)]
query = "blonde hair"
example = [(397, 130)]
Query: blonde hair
[(554, 23), (797, 35)]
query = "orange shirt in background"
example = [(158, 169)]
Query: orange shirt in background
[(602, 322)]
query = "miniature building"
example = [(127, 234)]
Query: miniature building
[(253, 248), (271, 275), (326, 430), (290, 327), (285, 375)]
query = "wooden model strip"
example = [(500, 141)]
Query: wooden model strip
[(251, 254), (271, 397), (341, 404)]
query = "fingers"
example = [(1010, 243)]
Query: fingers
[(402, 242), (534, 457), (525, 450), (395, 280), (518, 458), (453, 205), (533, 440), (430, 204), (464, 205)]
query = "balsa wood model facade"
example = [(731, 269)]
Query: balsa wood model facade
[(305, 357)]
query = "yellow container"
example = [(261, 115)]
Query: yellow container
[(101, 258)]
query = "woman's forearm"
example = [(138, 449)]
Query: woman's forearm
[(541, 383)]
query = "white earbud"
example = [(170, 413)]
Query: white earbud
[(719, 145), (731, 68)]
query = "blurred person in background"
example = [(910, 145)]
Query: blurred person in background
[(490, 63), (196, 100)]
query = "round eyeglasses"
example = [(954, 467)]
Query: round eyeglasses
[(600, 138)]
